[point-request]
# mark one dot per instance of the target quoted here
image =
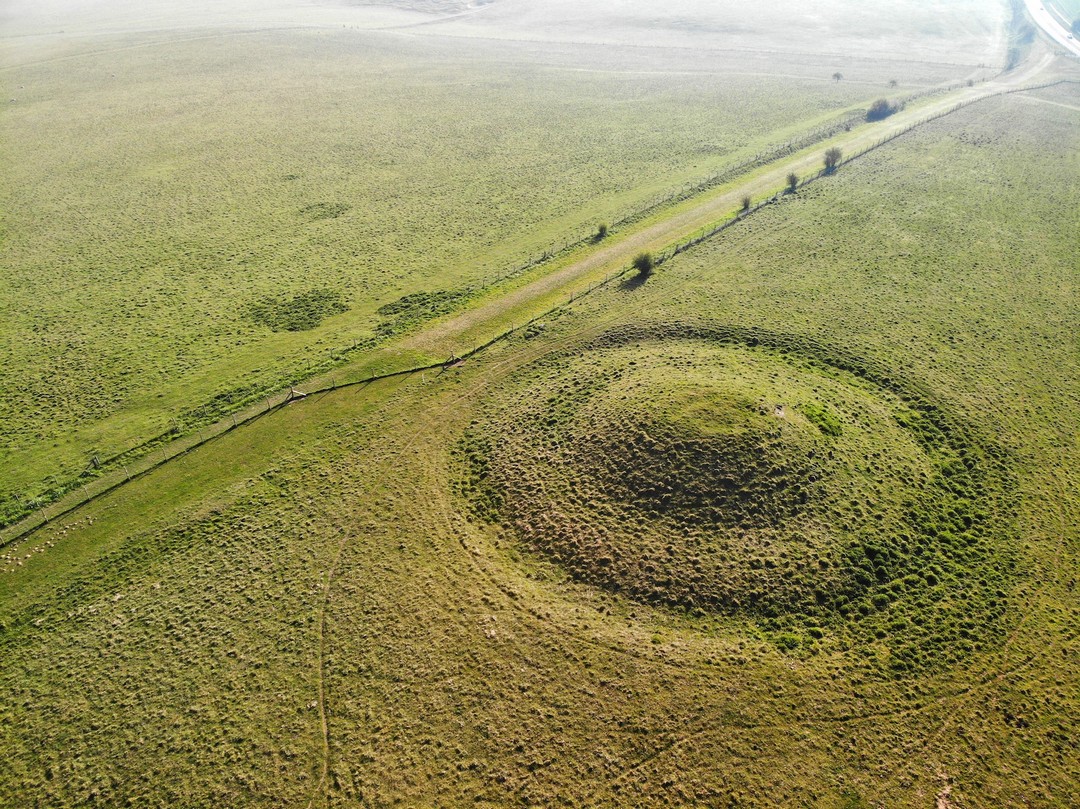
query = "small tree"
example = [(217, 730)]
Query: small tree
[(837, 76), (746, 203), (880, 109), (644, 264), (832, 158), (892, 82), (601, 231), (792, 182)]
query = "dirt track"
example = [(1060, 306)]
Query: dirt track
[(711, 207)]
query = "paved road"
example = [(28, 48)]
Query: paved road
[(1055, 30)]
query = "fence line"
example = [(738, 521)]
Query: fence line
[(23, 527), (725, 174), (686, 191), (142, 448)]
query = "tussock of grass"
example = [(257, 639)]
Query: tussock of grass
[(299, 313), (359, 556), (412, 310)]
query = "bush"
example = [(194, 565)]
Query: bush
[(601, 231), (825, 421), (644, 264), (746, 203), (832, 157), (788, 641), (881, 108), (792, 182)]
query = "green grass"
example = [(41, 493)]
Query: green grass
[(745, 508), (168, 255), (180, 640), (856, 38)]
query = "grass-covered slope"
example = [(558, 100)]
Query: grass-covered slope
[(434, 590)]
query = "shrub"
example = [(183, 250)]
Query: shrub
[(881, 108), (832, 157), (792, 182), (746, 203), (644, 264), (788, 641), (601, 231), (824, 420)]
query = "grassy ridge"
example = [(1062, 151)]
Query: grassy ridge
[(342, 574)]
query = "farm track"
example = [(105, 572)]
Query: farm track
[(986, 681), (1034, 100), (466, 332), (431, 428), (683, 224)]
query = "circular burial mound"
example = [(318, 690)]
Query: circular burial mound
[(718, 472)]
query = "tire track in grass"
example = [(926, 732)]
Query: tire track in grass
[(332, 571), (434, 417), (1037, 100), (322, 787), (994, 677)]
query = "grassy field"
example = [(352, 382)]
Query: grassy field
[(434, 592), (203, 203), (168, 255)]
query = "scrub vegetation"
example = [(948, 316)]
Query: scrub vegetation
[(792, 523)]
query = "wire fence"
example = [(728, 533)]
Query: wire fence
[(104, 476), (719, 177)]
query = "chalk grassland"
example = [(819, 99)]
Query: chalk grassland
[(214, 213), (965, 32), (190, 224), (335, 620)]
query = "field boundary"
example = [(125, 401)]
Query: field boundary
[(39, 515), (202, 416), (16, 506), (770, 154)]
